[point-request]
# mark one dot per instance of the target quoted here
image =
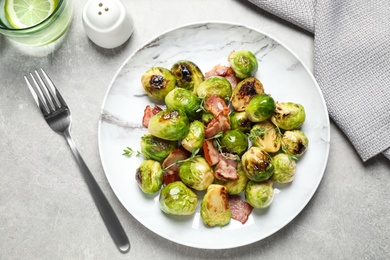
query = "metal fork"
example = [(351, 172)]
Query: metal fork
[(57, 115)]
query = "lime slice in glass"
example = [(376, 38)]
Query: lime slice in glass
[(27, 13)]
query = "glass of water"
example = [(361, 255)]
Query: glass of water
[(35, 22)]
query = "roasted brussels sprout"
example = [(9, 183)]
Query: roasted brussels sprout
[(188, 75), (288, 115), (155, 148), (215, 206), (149, 176), (260, 108), (180, 98), (259, 194), (158, 82), (177, 199), (169, 124), (240, 121), (207, 117), (195, 136), (244, 92), (215, 85), (196, 173), (284, 168), (257, 164), (235, 186), (294, 143), (234, 141), (243, 63), (266, 136)]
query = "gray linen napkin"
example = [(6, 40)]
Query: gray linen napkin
[(351, 63)]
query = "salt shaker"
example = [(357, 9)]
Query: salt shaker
[(107, 23)]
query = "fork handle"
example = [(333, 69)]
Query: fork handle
[(109, 217)]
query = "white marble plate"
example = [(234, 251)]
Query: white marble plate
[(208, 44)]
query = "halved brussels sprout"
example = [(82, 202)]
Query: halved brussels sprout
[(195, 136), (234, 141), (259, 194), (266, 136), (244, 92), (169, 124), (155, 148), (235, 186), (149, 176), (215, 206), (196, 173), (158, 82), (243, 63), (288, 115), (284, 168), (177, 199), (294, 143), (257, 164), (180, 98), (188, 75), (260, 108), (215, 85), (240, 121)]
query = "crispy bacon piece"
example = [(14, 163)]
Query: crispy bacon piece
[(148, 113), (223, 71), (226, 169), (216, 105), (172, 173), (240, 208), (210, 152), (218, 124)]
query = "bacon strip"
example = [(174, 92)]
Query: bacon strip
[(223, 71), (226, 169), (216, 105), (218, 124), (172, 173), (210, 152), (240, 208), (148, 113)]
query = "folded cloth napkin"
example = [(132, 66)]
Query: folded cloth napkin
[(351, 63)]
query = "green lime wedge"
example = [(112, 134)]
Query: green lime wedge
[(27, 13)]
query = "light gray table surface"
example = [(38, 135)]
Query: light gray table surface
[(46, 211)]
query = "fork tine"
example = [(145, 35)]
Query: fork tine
[(38, 97), (45, 91), (54, 91)]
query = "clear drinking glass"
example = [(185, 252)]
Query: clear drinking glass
[(43, 33)]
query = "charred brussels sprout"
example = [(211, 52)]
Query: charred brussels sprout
[(234, 141), (284, 168), (177, 199), (169, 124), (259, 194), (155, 148), (257, 164), (260, 108), (215, 206), (266, 135), (294, 143), (235, 186), (215, 85), (149, 176), (244, 91), (158, 82), (243, 63), (195, 136), (196, 173), (240, 121), (183, 99), (288, 115), (188, 75)]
